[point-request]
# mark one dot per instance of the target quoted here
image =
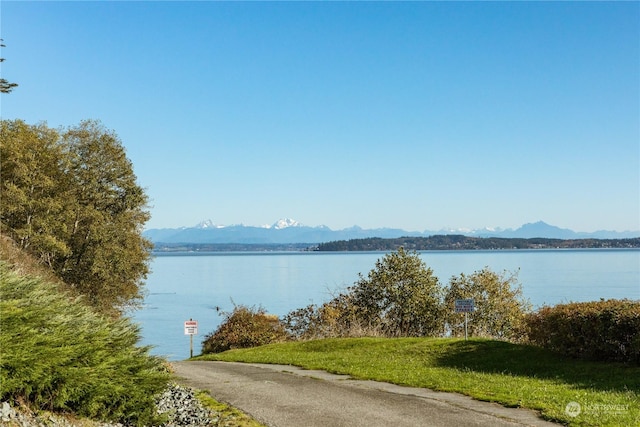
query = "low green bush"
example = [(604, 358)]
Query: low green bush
[(600, 330), (244, 327), (58, 354)]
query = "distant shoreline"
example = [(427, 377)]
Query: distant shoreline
[(460, 242), (441, 242)]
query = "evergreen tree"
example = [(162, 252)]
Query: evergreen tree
[(5, 85)]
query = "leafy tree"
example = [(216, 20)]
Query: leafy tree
[(500, 307), (400, 296), (33, 193), (107, 211), (70, 198), (5, 86)]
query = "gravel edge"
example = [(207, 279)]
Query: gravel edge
[(178, 403)]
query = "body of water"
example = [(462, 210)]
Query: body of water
[(193, 285)]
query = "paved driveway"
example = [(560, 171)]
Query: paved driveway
[(286, 396)]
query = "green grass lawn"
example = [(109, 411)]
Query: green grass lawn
[(513, 375)]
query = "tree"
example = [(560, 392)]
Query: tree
[(109, 257), (400, 297), (5, 86), (70, 198), (499, 305), (33, 193)]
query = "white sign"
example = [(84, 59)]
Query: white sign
[(191, 327), (464, 305)]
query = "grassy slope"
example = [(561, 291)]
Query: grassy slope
[(513, 375), (59, 355), (23, 264), (45, 357)]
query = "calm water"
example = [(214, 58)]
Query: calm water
[(184, 286)]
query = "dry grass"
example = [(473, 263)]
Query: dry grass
[(24, 264)]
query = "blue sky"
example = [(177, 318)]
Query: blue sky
[(417, 115)]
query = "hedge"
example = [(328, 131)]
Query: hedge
[(600, 330)]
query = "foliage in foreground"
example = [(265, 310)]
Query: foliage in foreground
[(59, 355), (401, 297), (242, 328), (71, 200), (600, 330), (514, 375), (499, 305)]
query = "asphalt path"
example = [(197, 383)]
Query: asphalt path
[(287, 396)]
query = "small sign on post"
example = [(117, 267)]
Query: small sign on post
[(465, 306), (191, 329)]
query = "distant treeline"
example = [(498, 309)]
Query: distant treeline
[(459, 242), (231, 247)]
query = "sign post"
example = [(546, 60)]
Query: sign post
[(465, 306), (191, 329)]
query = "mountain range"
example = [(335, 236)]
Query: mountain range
[(290, 231)]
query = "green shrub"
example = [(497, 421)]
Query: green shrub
[(304, 323), (499, 305), (601, 330), (244, 327), (58, 354), (401, 297), (332, 319)]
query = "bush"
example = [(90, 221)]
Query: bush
[(334, 319), (244, 327), (59, 355), (499, 305), (399, 297), (402, 297), (603, 330), (305, 323)]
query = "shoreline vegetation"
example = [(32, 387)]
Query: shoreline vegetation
[(431, 243), (511, 374), (73, 260)]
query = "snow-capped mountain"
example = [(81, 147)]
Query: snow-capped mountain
[(286, 223), (278, 225), (208, 224), (288, 230)]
